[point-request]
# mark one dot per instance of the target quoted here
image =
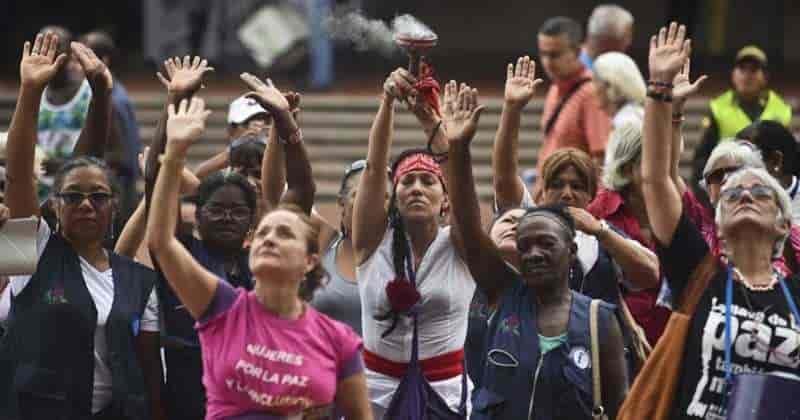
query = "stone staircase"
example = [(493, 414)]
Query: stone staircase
[(336, 129)]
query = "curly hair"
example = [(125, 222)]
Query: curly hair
[(568, 156), (220, 179)]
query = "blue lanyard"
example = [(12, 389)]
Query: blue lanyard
[(729, 302)]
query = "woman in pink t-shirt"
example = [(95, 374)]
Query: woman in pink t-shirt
[(267, 354)]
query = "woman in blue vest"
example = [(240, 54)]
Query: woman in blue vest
[(83, 329), (226, 209), (539, 328)]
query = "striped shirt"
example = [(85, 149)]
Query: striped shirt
[(582, 124)]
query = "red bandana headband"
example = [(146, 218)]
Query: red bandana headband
[(417, 162)]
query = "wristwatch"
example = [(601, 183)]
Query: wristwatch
[(603, 228)]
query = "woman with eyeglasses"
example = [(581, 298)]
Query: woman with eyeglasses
[(266, 353), (82, 340), (745, 320)]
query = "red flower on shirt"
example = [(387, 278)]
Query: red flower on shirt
[(402, 295)]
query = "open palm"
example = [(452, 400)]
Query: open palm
[(184, 77), (267, 95), (461, 112), (39, 63), (521, 81), (669, 51), (185, 124), (683, 87), (94, 68)]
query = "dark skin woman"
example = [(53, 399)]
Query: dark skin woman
[(84, 204), (546, 248)]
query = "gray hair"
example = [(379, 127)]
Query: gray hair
[(624, 146), (740, 151), (782, 198), (609, 20), (622, 75)]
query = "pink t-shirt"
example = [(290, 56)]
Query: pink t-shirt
[(255, 362)]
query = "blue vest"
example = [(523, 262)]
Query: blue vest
[(178, 323), (560, 382), (47, 356), (184, 394)]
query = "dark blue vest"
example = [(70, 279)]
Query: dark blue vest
[(47, 356), (560, 381), (178, 323), (184, 392)]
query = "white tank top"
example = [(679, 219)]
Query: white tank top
[(446, 286)]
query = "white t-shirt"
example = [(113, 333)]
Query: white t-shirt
[(59, 126), (446, 286), (101, 288)]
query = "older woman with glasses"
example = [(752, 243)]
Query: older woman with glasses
[(745, 320), (82, 339)]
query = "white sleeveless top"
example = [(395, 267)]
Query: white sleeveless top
[(446, 286)]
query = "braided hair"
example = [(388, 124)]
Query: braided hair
[(401, 251)]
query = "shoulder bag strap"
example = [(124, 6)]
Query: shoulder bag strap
[(548, 126), (598, 412)]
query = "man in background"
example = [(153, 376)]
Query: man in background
[(65, 103), (572, 115), (125, 143), (749, 100), (610, 28)]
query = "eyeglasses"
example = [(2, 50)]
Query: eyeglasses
[(718, 176), (215, 213), (73, 198), (353, 168), (758, 192)]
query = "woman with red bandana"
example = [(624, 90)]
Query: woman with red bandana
[(415, 287)]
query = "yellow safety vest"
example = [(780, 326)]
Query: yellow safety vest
[(731, 118)]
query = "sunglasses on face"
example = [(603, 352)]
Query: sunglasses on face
[(98, 199), (717, 176), (215, 213), (758, 192)]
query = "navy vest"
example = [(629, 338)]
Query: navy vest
[(47, 356), (512, 363), (185, 396), (178, 323)]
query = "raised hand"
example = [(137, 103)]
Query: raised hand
[(400, 85), (521, 82), (39, 64), (669, 51), (185, 124), (184, 77), (95, 69), (682, 88), (461, 112), (266, 94)]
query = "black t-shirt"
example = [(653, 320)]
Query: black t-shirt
[(761, 335)]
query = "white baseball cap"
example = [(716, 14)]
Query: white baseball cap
[(242, 108)]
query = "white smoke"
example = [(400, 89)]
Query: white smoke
[(374, 34)]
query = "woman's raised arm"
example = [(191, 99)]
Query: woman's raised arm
[(37, 67), (194, 285), (369, 220), (669, 50)]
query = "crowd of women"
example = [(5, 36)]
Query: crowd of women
[(608, 292)]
